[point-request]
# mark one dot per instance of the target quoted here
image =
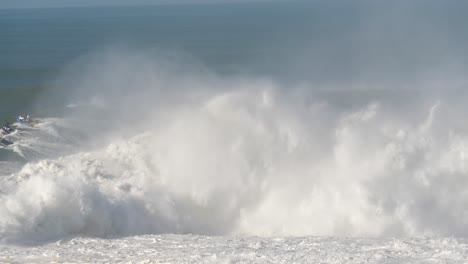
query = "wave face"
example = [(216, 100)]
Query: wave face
[(198, 153)]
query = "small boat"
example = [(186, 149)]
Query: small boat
[(25, 120), (7, 129)]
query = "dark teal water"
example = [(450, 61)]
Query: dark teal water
[(317, 41), (36, 44)]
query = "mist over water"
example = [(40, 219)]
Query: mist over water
[(180, 152), (154, 142)]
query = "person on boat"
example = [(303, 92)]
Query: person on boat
[(6, 128)]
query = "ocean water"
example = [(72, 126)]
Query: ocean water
[(249, 132)]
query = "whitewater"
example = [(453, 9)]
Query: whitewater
[(203, 249), (219, 133), (203, 168)]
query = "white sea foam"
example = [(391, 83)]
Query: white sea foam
[(254, 161), (225, 249)]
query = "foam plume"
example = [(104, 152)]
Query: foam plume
[(247, 158)]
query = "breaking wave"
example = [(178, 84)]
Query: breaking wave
[(251, 158)]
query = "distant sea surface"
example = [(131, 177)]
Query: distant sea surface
[(36, 44), (312, 39)]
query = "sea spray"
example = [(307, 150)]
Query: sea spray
[(255, 161)]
